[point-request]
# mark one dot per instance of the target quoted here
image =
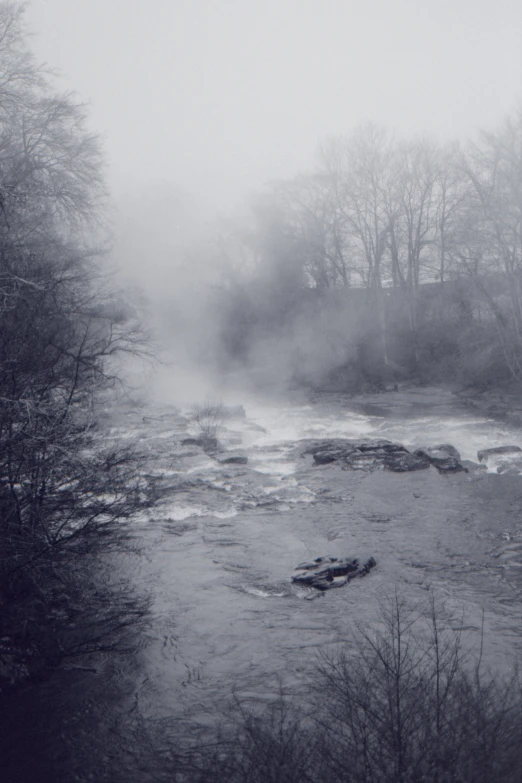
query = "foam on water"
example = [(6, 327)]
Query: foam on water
[(179, 511), (203, 467), (273, 467), (261, 593), (468, 435), (467, 432), (270, 433), (227, 514), (306, 421)]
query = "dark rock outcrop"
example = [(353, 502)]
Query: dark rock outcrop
[(327, 572), (404, 462), (484, 454), (444, 457), (324, 451), (365, 455), (380, 445)]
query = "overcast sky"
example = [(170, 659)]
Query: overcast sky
[(200, 102), (217, 96)]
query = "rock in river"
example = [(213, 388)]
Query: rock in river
[(365, 455), (444, 457), (403, 462), (327, 572)]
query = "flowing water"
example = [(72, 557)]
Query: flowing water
[(219, 552), (217, 555)]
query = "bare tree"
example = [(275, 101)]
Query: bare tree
[(61, 329), (493, 168)]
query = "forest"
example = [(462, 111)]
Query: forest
[(390, 260)]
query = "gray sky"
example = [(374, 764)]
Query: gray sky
[(217, 96)]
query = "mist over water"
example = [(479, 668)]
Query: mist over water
[(291, 258)]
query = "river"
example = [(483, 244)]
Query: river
[(217, 555), (220, 551)]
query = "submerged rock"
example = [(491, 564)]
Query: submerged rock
[(327, 572), (484, 454), (233, 459)]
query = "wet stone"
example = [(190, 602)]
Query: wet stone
[(404, 462), (444, 457), (314, 564), (451, 466), (438, 453), (328, 572), (382, 446), (327, 456), (365, 455)]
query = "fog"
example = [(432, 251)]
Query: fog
[(288, 326), (212, 99), (200, 104)]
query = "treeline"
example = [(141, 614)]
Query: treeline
[(63, 495), (395, 259)]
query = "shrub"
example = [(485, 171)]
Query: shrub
[(400, 704), (209, 418)]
